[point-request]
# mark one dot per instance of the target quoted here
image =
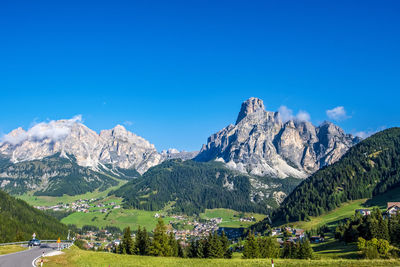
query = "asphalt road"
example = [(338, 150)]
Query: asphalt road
[(25, 258)]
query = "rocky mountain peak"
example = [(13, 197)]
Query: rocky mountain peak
[(261, 144), (250, 106)]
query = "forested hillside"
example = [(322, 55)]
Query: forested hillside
[(366, 170), (55, 176), (195, 186), (18, 221)]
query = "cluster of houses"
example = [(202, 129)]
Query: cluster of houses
[(81, 205), (294, 235), (199, 229)]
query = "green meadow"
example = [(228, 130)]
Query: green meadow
[(50, 201), (121, 218)]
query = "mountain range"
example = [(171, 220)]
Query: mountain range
[(66, 157)]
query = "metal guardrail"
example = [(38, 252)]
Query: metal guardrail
[(42, 241)]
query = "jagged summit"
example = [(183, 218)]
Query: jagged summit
[(261, 143), (250, 106), (116, 146)]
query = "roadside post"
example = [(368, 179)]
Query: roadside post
[(58, 243), (272, 262)]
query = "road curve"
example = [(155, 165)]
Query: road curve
[(25, 258)]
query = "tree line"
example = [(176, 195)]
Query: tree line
[(163, 244), (374, 233), (268, 247), (213, 246)]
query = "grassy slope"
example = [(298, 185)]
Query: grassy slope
[(228, 218), (11, 249), (49, 201), (77, 258)]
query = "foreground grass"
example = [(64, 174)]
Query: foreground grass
[(11, 249), (80, 258)]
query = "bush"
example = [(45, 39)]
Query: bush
[(374, 248)]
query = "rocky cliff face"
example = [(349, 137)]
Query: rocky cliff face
[(117, 147), (260, 143)]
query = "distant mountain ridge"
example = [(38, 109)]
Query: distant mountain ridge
[(117, 147), (261, 143)]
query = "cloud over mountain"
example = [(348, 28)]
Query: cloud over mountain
[(286, 114), (54, 130), (337, 113)]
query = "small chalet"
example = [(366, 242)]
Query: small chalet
[(364, 212), (393, 208)]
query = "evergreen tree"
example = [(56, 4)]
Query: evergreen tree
[(192, 249), (174, 245), (225, 246), (269, 247), (142, 242), (127, 242), (251, 249), (181, 252), (160, 245), (305, 250), (214, 247)]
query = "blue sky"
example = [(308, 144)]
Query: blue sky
[(177, 71)]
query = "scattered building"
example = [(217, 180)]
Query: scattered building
[(393, 208), (364, 212)]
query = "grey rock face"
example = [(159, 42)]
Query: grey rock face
[(262, 144), (173, 153), (117, 146)]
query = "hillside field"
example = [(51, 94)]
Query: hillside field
[(50, 201), (121, 218), (80, 258)]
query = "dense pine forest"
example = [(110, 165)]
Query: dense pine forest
[(366, 170), (18, 221), (65, 177), (195, 186)]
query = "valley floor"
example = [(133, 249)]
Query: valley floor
[(75, 257)]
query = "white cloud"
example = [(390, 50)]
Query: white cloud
[(368, 133), (303, 116), (53, 130), (128, 123), (286, 114), (337, 114)]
